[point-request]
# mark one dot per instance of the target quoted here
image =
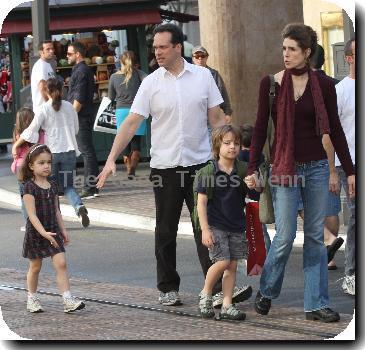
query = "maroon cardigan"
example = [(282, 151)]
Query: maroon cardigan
[(308, 145)]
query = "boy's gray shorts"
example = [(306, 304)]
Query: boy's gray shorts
[(228, 245)]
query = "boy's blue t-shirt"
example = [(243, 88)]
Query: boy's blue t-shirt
[(226, 209)]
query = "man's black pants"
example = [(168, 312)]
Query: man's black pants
[(171, 188), (85, 143)]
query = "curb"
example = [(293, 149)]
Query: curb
[(131, 221)]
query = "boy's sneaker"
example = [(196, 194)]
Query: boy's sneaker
[(206, 306), (170, 298), (72, 304), (348, 284), (82, 213), (34, 305), (231, 313), (239, 295)]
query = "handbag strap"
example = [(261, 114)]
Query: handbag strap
[(270, 126)]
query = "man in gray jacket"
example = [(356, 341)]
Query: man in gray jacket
[(200, 58)]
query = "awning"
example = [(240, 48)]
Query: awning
[(105, 20)]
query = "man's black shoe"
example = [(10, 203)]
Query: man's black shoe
[(332, 248), (323, 315), (262, 304)]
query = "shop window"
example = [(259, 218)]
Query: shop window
[(332, 33)]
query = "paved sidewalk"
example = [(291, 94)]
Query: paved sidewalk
[(122, 202), (132, 313)]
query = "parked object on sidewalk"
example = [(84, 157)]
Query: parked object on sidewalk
[(255, 240)]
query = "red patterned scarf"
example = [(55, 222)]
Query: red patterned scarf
[(283, 168)]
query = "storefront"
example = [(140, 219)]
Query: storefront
[(97, 26)]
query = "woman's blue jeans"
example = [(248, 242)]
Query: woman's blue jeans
[(63, 169), (314, 188)]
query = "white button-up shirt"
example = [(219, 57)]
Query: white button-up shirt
[(179, 109)]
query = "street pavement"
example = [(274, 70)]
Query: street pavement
[(128, 311)]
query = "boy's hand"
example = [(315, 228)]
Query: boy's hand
[(252, 181), (207, 238)]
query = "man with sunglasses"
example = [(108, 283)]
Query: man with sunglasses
[(80, 94), (200, 58)]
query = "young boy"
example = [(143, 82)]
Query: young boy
[(222, 221)]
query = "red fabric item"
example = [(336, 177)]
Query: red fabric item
[(284, 159), (255, 240)]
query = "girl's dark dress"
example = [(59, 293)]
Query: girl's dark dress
[(35, 245)]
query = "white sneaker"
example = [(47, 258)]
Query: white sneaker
[(72, 304), (240, 294), (34, 305), (348, 284), (170, 298)]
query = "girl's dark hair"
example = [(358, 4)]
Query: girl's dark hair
[(54, 89), (25, 172), (246, 134), (177, 36), (24, 117), (304, 35), (218, 134)]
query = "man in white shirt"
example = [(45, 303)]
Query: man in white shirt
[(181, 98), (41, 72), (345, 90)]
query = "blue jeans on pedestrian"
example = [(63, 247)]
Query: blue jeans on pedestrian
[(21, 191), (266, 238), (314, 190), (63, 168), (350, 247)]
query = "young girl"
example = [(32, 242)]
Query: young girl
[(60, 122), (222, 221), (24, 117), (45, 233)]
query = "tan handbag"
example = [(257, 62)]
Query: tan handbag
[(266, 208)]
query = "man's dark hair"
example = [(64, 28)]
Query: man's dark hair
[(79, 47), (40, 45), (348, 49), (177, 36), (246, 134), (317, 59)]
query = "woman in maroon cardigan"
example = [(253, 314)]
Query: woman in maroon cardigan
[(304, 109)]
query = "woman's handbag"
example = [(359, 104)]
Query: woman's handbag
[(266, 208), (105, 120)]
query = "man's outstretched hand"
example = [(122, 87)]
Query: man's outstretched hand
[(109, 168)]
